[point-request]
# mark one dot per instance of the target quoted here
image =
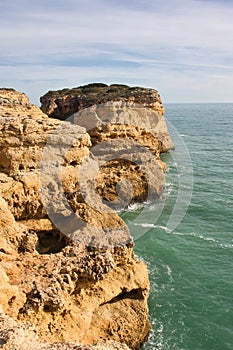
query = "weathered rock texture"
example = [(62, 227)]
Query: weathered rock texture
[(62, 103), (128, 133), (23, 337), (14, 103), (100, 105), (67, 264)]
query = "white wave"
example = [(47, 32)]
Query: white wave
[(196, 235), (184, 135), (169, 270), (169, 188), (164, 228), (136, 206), (156, 337), (147, 225), (229, 246)]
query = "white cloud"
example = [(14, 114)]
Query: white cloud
[(180, 43)]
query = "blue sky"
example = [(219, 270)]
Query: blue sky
[(182, 48)]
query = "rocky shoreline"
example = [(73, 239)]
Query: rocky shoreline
[(69, 276)]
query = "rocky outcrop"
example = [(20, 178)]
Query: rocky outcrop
[(67, 264), (98, 105), (78, 294), (75, 295), (128, 133), (23, 337), (24, 138), (14, 103), (62, 103)]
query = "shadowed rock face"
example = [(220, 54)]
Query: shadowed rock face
[(67, 264), (62, 103), (97, 105)]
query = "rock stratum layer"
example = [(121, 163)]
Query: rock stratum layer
[(69, 277), (96, 105)]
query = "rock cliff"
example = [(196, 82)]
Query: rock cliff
[(128, 133), (23, 337), (68, 271), (62, 103), (100, 105)]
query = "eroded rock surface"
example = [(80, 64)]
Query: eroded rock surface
[(98, 105), (127, 131), (23, 337), (14, 103), (62, 103), (67, 264), (78, 294)]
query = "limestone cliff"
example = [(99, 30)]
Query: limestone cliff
[(62, 103), (101, 104), (128, 133), (67, 264), (23, 337)]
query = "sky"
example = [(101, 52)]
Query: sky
[(182, 48)]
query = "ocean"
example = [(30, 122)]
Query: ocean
[(186, 238)]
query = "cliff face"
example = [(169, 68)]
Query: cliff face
[(128, 133), (68, 272), (67, 263), (22, 337), (100, 105), (62, 103)]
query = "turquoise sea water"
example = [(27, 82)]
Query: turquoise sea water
[(191, 267)]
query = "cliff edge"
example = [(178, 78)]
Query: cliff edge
[(136, 106), (69, 275), (128, 133)]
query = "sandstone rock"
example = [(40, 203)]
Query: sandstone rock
[(61, 293), (22, 337), (67, 263), (115, 117), (11, 232), (14, 103), (124, 160), (62, 103), (23, 140), (64, 295), (96, 105)]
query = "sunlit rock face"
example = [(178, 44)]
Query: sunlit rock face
[(128, 133), (68, 271), (115, 104)]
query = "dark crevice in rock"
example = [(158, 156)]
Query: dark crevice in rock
[(133, 294), (44, 242), (51, 242), (3, 341)]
